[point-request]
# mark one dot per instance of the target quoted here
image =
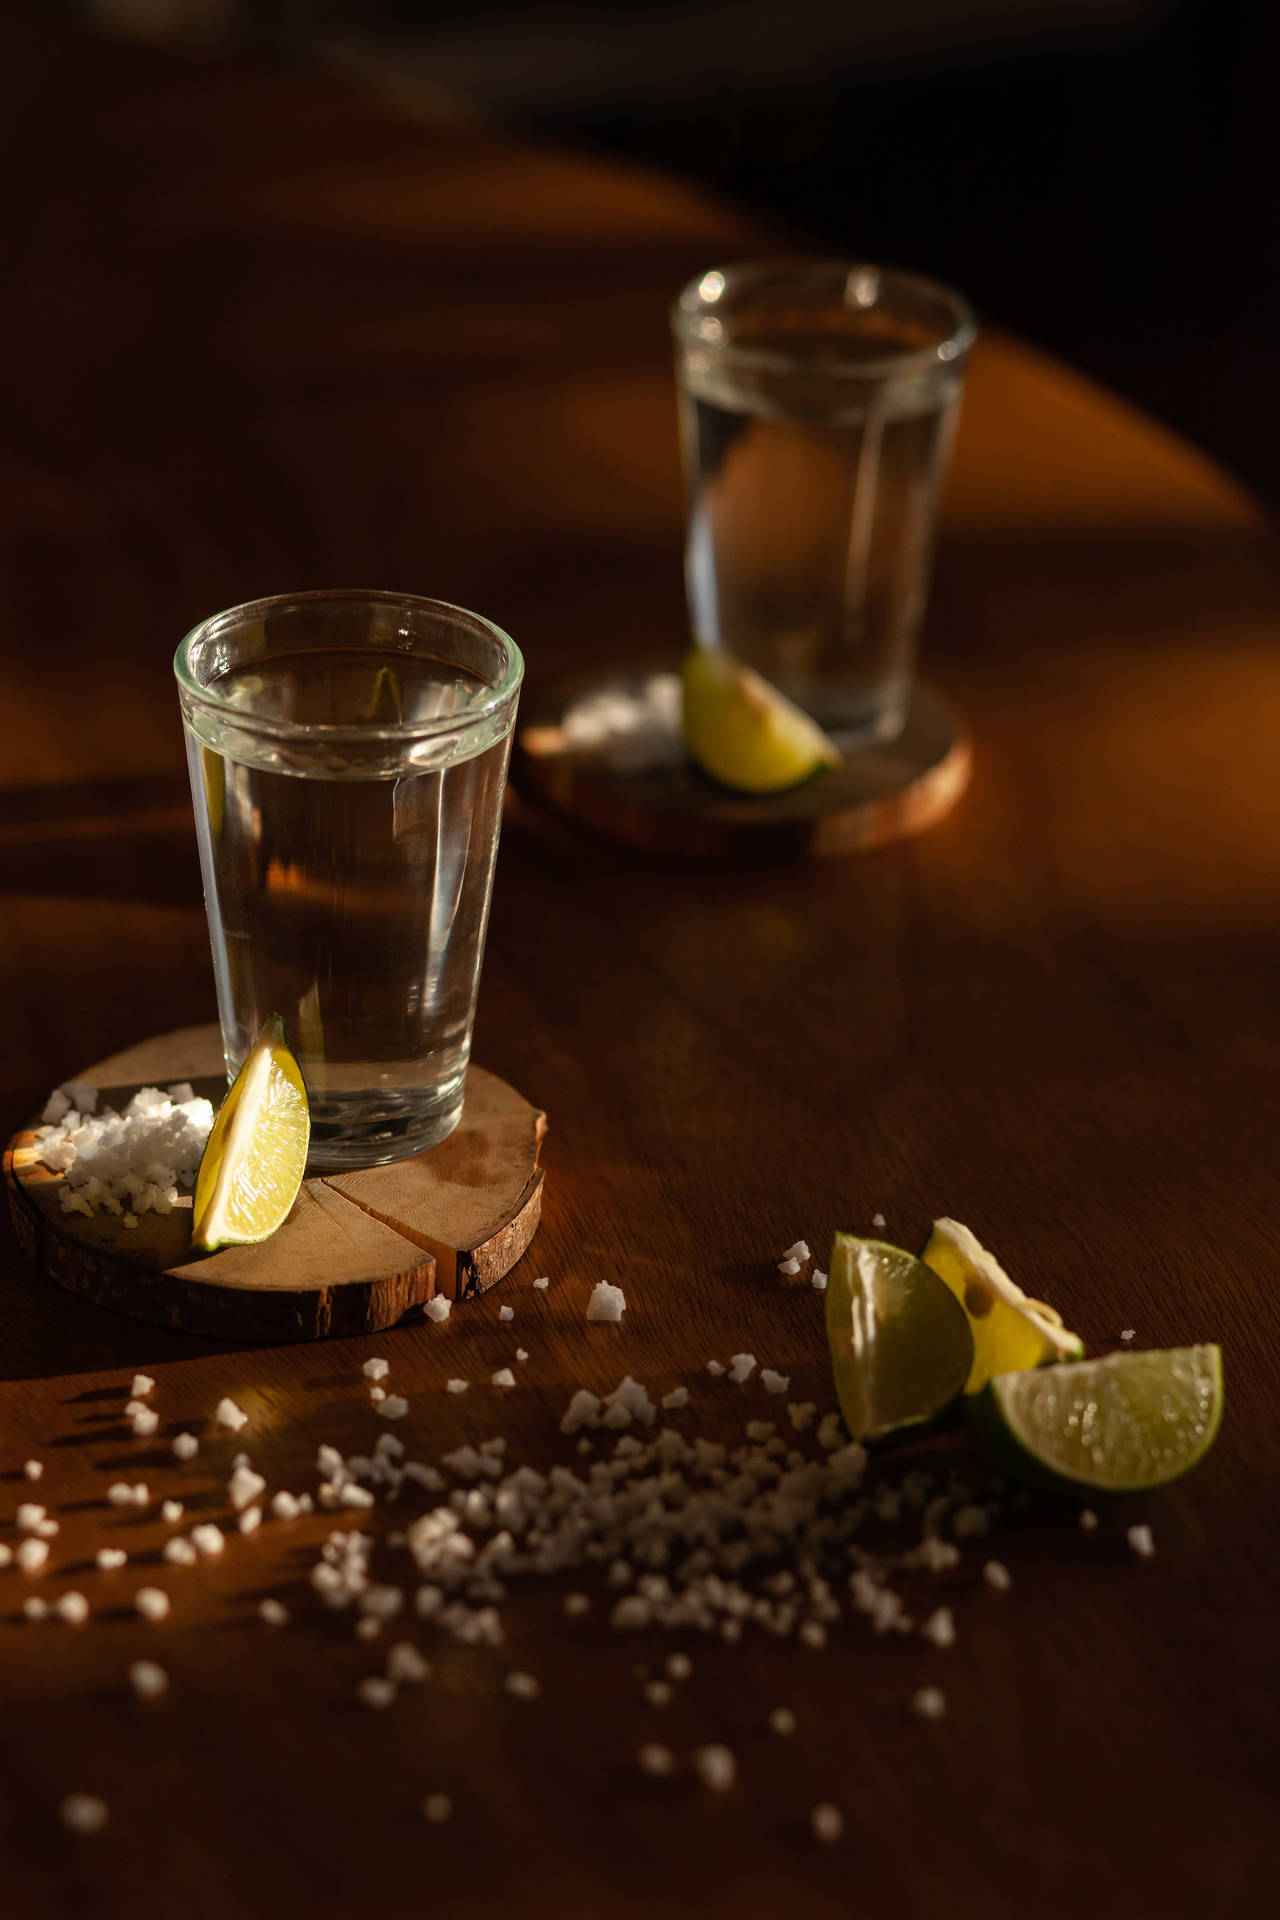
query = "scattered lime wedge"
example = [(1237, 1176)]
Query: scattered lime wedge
[(743, 732), (1010, 1331), (1119, 1425), (256, 1154), (900, 1343)]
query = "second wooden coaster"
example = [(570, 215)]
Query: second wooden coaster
[(882, 792), (356, 1253)]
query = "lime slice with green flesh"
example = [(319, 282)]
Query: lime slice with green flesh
[(1120, 1425), (1010, 1331), (901, 1348), (256, 1154), (743, 732)]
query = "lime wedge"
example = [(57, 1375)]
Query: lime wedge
[(900, 1343), (743, 732), (256, 1154), (1010, 1331), (1119, 1425)]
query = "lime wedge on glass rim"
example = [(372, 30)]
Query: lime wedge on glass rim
[(743, 732), (1011, 1332), (901, 1349), (256, 1154), (1120, 1425)]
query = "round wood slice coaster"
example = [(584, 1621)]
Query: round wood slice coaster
[(881, 792), (358, 1251)]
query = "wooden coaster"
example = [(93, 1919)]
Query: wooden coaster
[(882, 792), (356, 1253)]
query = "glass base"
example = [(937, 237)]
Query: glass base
[(356, 1131)]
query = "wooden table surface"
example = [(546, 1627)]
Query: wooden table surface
[(260, 332)]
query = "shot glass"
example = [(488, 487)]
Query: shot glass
[(817, 403), (348, 755)]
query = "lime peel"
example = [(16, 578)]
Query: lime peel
[(1121, 1425), (256, 1154), (743, 731), (901, 1348), (1011, 1332)]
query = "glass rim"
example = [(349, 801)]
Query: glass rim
[(435, 727), (691, 305)]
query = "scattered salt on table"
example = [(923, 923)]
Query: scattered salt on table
[(151, 1603), (928, 1703), (83, 1813), (715, 1767), (437, 1808), (185, 1446), (606, 1302), (1141, 1541), (229, 1415), (148, 1680), (655, 1759), (438, 1307), (827, 1822)]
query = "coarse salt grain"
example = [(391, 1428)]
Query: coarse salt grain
[(801, 1414), (273, 1612), (799, 1250), (997, 1575), (83, 1813), (437, 1808), (678, 1666), (813, 1635), (144, 1422), (208, 1539), (456, 1386), (73, 1608), (818, 1280), (788, 1267), (244, 1486), (606, 1302), (405, 1663), (179, 1552), (576, 1604), (250, 1520), (542, 1283), (394, 1407), (659, 1693), (774, 1382), (185, 1446), (142, 1384), (367, 1628), (830, 1432), (35, 1608), (1141, 1541), (653, 1758), (715, 1766), (31, 1555), (940, 1627), (171, 1511), (827, 1823), (151, 1603), (677, 1398), (506, 1313), (376, 1369), (47, 1529), (503, 1378), (741, 1367), (521, 1686), (928, 1703), (438, 1307), (376, 1692), (148, 1680), (782, 1721), (1088, 1519), (229, 1415), (715, 1369), (1128, 1333), (32, 1469), (878, 1220), (109, 1558), (29, 1516), (521, 1355)]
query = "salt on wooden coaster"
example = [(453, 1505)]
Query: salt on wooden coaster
[(358, 1251)]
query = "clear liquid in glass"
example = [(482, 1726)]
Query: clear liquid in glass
[(812, 506), (348, 883)]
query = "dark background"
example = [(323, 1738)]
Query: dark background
[(1098, 175)]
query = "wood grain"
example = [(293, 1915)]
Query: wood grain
[(264, 334), (358, 1251)]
